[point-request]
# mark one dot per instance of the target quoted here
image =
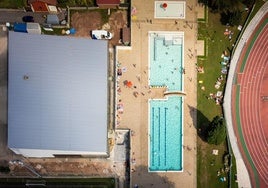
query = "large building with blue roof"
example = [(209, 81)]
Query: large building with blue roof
[(57, 95)]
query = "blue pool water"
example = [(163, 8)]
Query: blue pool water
[(166, 134), (166, 115), (165, 64)]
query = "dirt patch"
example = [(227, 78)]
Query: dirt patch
[(117, 21), (84, 22)]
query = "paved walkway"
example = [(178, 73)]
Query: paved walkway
[(15, 15), (134, 61), (3, 92), (242, 173)]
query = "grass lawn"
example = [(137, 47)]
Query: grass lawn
[(210, 165), (13, 3), (59, 182), (212, 32), (56, 31)]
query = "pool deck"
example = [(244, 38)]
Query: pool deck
[(135, 112)]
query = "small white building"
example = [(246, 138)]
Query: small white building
[(33, 28)]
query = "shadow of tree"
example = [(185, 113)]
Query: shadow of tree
[(144, 179), (202, 122)]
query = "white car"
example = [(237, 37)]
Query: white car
[(101, 34)]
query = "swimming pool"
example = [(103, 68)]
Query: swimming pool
[(166, 115), (166, 134), (166, 67)]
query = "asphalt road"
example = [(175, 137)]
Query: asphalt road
[(13, 16)]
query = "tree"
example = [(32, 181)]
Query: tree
[(248, 3), (4, 169), (223, 5), (232, 18), (230, 10), (235, 18), (216, 133)]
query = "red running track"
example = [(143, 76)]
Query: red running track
[(253, 105)]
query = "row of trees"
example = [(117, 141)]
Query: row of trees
[(230, 10), (227, 5)]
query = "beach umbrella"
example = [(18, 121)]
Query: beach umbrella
[(133, 11), (164, 5), (129, 84)]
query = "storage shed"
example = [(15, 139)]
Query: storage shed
[(33, 28), (43, 5), (53, 19)]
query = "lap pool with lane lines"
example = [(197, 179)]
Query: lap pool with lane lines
[(166, 134), (166, 119)]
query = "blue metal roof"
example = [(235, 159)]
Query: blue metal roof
[(57, 93), (20, 27)]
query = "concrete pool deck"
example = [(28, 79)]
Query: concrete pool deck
[(135, 115)]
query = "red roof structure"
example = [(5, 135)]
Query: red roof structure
[(49, 2), (107, 3), (41, 5)]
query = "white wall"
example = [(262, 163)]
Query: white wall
[(50, 153)]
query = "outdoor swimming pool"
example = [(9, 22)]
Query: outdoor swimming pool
[(166, 67), (166, 134), (166, 115)]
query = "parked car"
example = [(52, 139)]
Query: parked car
[(27, 19), (101, 34)]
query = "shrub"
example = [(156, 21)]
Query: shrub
[(216, 133)]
